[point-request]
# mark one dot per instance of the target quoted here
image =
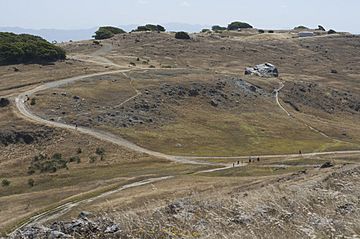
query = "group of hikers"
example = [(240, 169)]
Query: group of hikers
[(256, 159), (250, 161)]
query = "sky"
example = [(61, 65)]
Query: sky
[(341, 15)]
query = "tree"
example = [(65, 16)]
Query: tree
[(321, 28), (301, 28), (107, 32), (25, 48), (151, 28), (238, 25), (182, 36), (218, 28)]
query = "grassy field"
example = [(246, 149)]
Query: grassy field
[(226, 134)]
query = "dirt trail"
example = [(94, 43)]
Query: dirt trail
[(277, 91), (64, 208)]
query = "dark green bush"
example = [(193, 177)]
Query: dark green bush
[(32, 101), (270, 31), (107, 32), (25, 48), (57, 156), (205, 30), (75, 159), (100, 151), (182, 35), (238, 25), (261, 31), (151, 28), (218, 28), (31, 182), (331, 31), (5, 183), (301, 28), (321, 28), (43, 164)]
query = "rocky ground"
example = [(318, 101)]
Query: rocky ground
[(299, 205), (329, 100), (152, 107)]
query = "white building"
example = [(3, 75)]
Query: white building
[(306, 34)]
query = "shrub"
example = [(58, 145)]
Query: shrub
[(270, 31), (79, 151), (4, 102), (5, 183), (75, 159), (57, 156), (32, 101), (31, 182), (92, 159), (261, 31), (43, 163), (182, 35), (151, 28), (238, 25), (321, 28), (107, 32), (25, 48), (100, 151), (331, 31), (205, 30), (301, 28), (218, 28)]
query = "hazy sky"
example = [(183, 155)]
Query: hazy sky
[(75, 14)]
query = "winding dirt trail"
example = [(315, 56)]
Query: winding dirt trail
[(105, 136), (277, 91)]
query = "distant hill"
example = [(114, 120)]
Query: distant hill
[(61, 35), (54, 34)]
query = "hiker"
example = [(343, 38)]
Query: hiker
[(300, 152), (233, 165), (238, 162), (250, 160), (258, 159), (76, 126)]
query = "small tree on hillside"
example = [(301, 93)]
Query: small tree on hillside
[(107, 32), (151, 28), (238, 25), (218, 28), (301, 28), (182, 36)]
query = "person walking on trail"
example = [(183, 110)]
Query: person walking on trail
[(238, 162), (250, 160), (76, 126), (300, 152), (258, 159), (233, 165)]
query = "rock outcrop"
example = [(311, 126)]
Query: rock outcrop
[(263, 70)]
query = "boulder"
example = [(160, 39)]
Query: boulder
[(4, 102), (214, 103), (326, 165), (263, 70), (193, 92)]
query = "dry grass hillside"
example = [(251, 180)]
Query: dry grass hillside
[(103, 145)]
